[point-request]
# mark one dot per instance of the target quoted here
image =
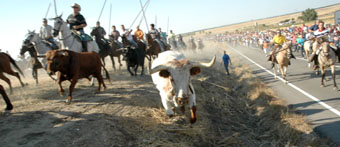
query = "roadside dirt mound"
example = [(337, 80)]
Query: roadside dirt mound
[(232, 111)]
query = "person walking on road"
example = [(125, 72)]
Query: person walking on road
[(226, 61)]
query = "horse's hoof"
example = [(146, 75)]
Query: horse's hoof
[(335, 88), (62, 94), (322, 86)]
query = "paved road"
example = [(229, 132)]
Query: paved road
[(320, 105)]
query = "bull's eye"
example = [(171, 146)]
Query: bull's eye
[(164, 73)]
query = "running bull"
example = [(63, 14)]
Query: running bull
[(171, 73), (73, 66)]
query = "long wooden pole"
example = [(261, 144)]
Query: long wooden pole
[(101, 12), (141, 5), (167, 26), (48, 10), (110, 20), (55, 8), (145, 6)]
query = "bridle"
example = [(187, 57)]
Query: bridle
[(58, 30)]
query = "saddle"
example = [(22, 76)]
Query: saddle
[(80, 37)]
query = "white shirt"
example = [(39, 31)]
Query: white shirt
[(45, 32), (127, 34)]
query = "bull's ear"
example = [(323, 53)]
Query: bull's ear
[(164, 73), (195, 71)]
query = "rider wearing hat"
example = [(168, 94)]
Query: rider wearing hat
[(46, 33), (77, 22)]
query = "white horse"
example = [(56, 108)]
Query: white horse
[(68, 40), (38, 43)]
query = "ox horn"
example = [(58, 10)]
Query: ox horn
[(206, 65), (158, 68), (41, 56)]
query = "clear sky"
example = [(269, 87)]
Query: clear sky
[(17, 16)]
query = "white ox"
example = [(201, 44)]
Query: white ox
[(171, 73)]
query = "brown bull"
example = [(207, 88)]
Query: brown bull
[(9, 105), (73, 66), (5, 67)]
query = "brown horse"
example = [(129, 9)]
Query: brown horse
[(327, 58), (5, 67), (153, 49), (9, 105), (115, 52), (283, 60)]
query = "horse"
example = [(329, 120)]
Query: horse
[(192, 44), (68, 39), (308, 49), (34, 60), (40, 46), (153, 49), (116, 52), (283, 60), (327, 58), (134, 57), (9, 105), (104, 46), (5, 67)]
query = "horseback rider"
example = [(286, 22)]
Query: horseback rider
[(156, 36), (321, 36), (46, 33), (162, 35), (101, 31), (139, 34), (278, 41), (77, 22), (114, 36), (127, 34)]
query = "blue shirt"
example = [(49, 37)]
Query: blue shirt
[(226, 59), (314, 27)]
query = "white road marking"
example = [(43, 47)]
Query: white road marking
[(335, 111)]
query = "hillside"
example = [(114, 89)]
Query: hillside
[(325, 13)]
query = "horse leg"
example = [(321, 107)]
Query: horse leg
[(282, 73), (9, 105), (285, 73), (16, 74), (322, 76), (113, 62), (2, 76), (274, 70), (35, 70), (333, 76)]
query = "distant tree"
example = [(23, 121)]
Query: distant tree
[(309, 15)]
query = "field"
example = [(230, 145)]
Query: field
[(232, 111), (326, 14)]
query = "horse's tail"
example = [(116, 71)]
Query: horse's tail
[(14, 64)]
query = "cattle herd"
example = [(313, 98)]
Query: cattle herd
[(170, 70)]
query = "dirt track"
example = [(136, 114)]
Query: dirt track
[(236, 110)]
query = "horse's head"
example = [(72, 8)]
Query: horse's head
[(325, 49), (148, 37), (58, 22), (30, 37), (125, 42), (26, 47)]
